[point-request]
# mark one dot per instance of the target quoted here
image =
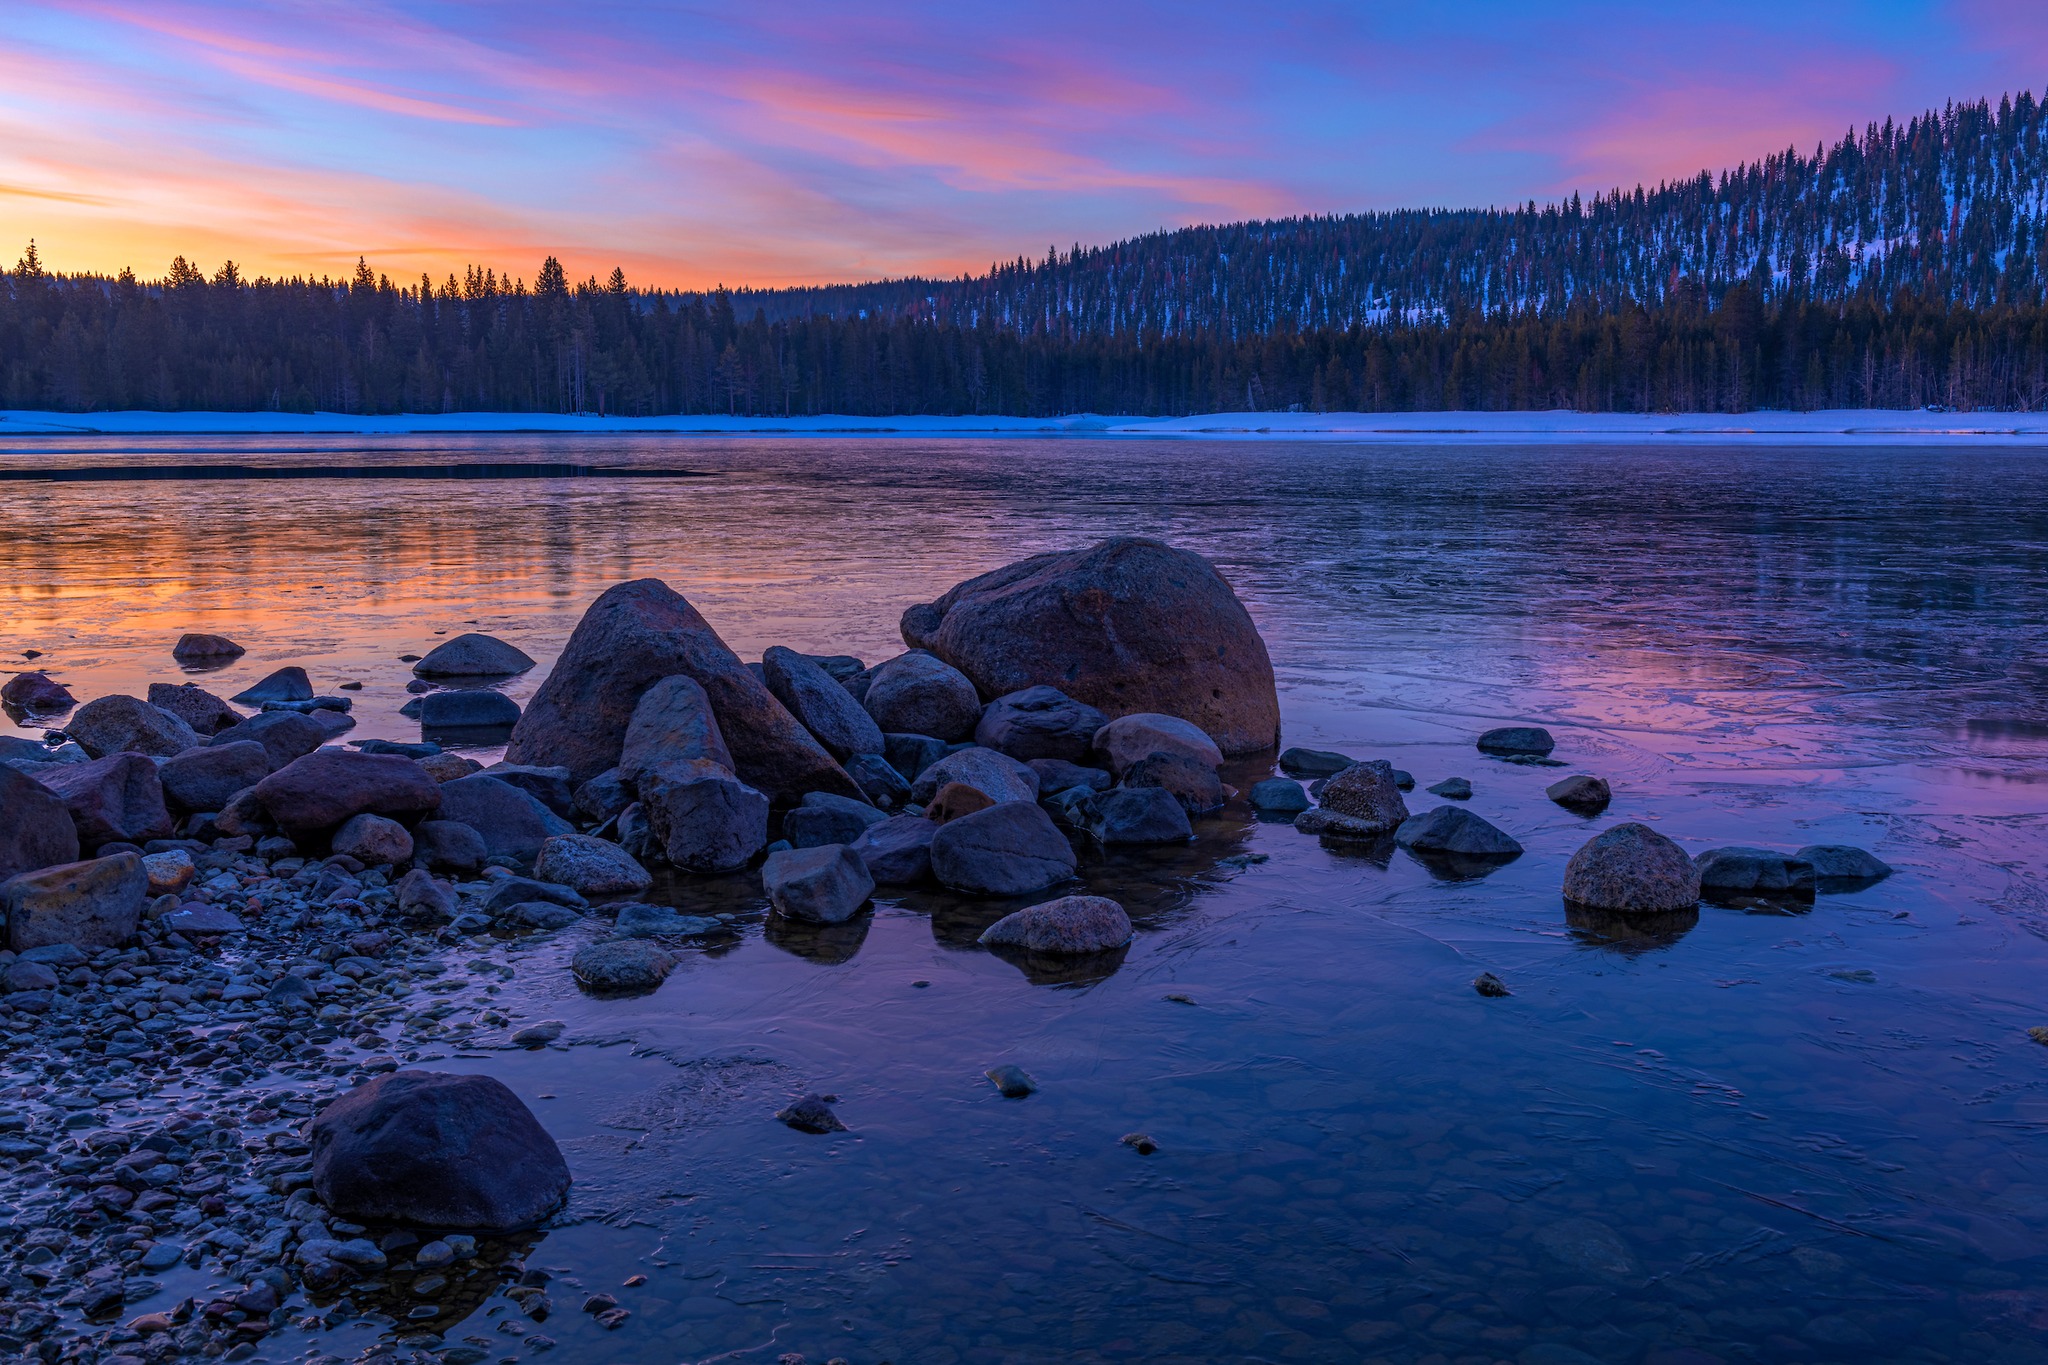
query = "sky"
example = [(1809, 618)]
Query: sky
[(772, 142)]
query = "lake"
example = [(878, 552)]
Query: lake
[(1774, 1135)]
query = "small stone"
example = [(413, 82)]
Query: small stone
[(535, 1035), (1011, 1081), (1453, 789), (1140, 1143), (2039, 1033), (1487, 984), (812, 1114)]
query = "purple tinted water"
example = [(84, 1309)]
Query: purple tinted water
[(1772, 1137)]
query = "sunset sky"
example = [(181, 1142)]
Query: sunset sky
[(775, 143)]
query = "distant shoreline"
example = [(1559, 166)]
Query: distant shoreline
[(1841, 427)]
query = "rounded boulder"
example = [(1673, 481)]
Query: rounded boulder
[(1632, 867)]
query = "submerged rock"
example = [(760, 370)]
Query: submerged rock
[(1071, 924), (1838, 865), (1126, 625), (1010, 849), (1739, 869), (1533, 740), (473, 656), (825, 885), (435, 1150), (919, 694), (811, 1114), (1452, 789), (1632, 867), (1358, 803), (1011, 1082), (93, 904)]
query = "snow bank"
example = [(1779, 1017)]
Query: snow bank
[(1873, 427)]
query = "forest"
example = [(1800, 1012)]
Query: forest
[(1905, 266)]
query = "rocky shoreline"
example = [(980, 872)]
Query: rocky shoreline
[(237, 943)]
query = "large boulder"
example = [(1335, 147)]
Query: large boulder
[(90, 905), (36, 830), (207, 778), (473, 656), (284, 735), (671, 723), (38, 694), (120, 798), (193, 704), (1126, 625), (824, 885), (514, 824), (1358, 803), (590, 866), (1129, 739), (436, 1150), (1632, 867), (634, 635), (898, 851), (129, 725), (997, 776), (816, 699), (1069, 925), (326, 787), (1039, 722), (920, 694), (1007, 850), (703, 820)]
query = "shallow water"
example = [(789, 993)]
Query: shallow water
[(1771, 1137)]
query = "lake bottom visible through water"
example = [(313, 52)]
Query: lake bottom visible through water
[(1770, 1132)]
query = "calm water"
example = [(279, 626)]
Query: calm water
[(1810, 1137)]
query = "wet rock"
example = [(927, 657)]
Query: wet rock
[(827, 885), (592, 867), (202, 919), (827, 819), (373, 841), (635, 920), (1131, 817), (954, 800), (448, 846), (169, 872), (811, 1114), (473, 656), (996, 776), (910, 755), (36, 829), (286, 684), (1358, 803), (880, 783), (208, 778), (1127, 625), (284, 735), (516, 890), (824, 707), (1011, 1082), (1592, 1247), (632, 637), (917, 693), (627, 964), (1452, 829), (1194, 784), (1141, 1143), (707, 822), (1452, 789), (1581, 795), (198, 708), (38, 694), (120, 798), (94, 904), (533, 1035), (1039, 722), (468, 708), (1632, 867), (1056, 775), (1071, 925), (540, 915), (128, 725), (1129, 739), (1279, 796), (195, 647), (1533, 740), (328, 786), (1313, 762), (429, 1149), (672, 724), (1491, 986), (1011, 849), (1834, 865), (602, 797), (1758, 871), (513, 824), (898, 851)]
